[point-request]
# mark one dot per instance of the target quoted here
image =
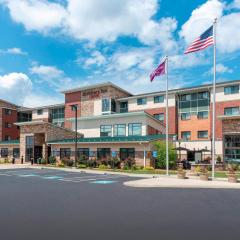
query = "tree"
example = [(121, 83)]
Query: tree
[(161, 155)]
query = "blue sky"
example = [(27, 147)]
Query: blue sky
[(48, 46)]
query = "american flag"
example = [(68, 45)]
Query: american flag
[(202, 42)]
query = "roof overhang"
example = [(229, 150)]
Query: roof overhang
[(99, 85), (226, 117)]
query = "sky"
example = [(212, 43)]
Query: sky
[(47, 46)]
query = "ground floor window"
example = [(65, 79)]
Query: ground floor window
[(103, 153), (4, 152), (29, 147), (83, 153), (65, 153), (127, 153), (16, 152)]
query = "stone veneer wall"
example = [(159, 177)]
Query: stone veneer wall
[(231, 126), (51, 132)]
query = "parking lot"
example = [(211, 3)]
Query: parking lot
[(52, 204)]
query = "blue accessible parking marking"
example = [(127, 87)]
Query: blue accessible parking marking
[(53, 177), (28, 175), (104, 182)]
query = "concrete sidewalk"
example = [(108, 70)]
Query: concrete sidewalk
[(174, 182), (14, 166)]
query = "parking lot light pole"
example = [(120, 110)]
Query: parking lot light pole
[(75, 108)]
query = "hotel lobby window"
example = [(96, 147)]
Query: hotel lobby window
[(186, 135), (65, 153), (119, 130), (126, 153), (4, 152), (231, 111), (134, 129), (103, 153), (231, 90), (141, 101), (106, 131), (83, 153)]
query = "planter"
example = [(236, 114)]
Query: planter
[(204, 176), (181, 175), (232, 178)]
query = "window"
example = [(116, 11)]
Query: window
[(203, 115), (159, 116), (4, 152), (8, 111), (127, 153), (58, 113), (105, 105), (39, 112), (8, 125), (231, 89), (185, 97), (203, 95), (231, 111), (119, 130), (106, 131), (186, 135), (103, 153), (202, 134), (65, 153), (123, 107), (24, 117), (158, 99), (16, 152), (7, 138), (134, 129), (185, 116), (29, 147), (141, 101), (83, 153)]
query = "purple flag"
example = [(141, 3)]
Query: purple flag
[(160, 70)]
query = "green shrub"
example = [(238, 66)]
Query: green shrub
[(91, 163), (161, 155), (52, 160), (43, 161), (60, 164), (149, 168), (102, 166), (39, 161), (81, 166)]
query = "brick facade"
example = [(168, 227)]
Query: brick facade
[(220, 112), (11, 130), (172, 112)]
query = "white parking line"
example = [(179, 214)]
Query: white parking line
[(89, 179)]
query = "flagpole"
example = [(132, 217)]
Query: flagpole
[(214, 100), (167, 137)]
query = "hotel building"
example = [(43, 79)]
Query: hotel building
[(113, 121)]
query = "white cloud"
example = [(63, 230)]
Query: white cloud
[(14, 87), (13, 51), (39, 99), (51, 75), (201, 18), (95, 20), (220, 69), (40, 15), (234, 5), (228, 35), (96, 58)]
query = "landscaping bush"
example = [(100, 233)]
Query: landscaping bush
[(161, 155), (81, 165), (102, 166), (149, 168), (91, 163), (52, 160), (60, 164), (43, 161)]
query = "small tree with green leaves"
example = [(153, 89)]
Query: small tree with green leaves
[(161, 155)]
